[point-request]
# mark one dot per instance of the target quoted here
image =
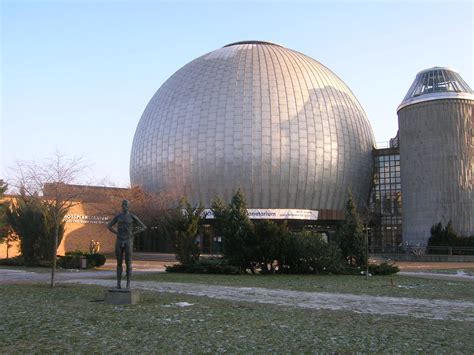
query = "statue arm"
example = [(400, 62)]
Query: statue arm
[(111, 224), (141, 226)]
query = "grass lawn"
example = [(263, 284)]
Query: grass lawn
[(72, 319), (377, 285)]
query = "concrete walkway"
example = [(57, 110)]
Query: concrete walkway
[(22, 276), (399, 306), (439, 276), (106, 271)]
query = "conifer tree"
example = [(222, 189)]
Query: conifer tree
[(351, 236), (237, 229), (186, 225), (34, 223)]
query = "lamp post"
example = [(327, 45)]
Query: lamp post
[(367, 251)]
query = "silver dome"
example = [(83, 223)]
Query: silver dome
[(257, 116)]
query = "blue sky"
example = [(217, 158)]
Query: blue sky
[(77, 75)]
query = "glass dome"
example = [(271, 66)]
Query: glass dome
[(435, 84)]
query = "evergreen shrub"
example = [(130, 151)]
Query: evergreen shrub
[(72, 260), (15, 261), (206, 266), (383, 269), (33, 222), (20, 261), (444, 240), (96, 259)]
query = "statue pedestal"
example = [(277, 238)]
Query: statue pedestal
[(122, 296)]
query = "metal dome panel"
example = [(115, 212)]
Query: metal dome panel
[(260, 117)]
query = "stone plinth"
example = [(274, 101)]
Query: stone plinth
[(122, 296)]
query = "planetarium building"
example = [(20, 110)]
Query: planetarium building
[(260, 117)]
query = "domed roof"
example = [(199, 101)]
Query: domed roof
[(257, 116), (437, 83)]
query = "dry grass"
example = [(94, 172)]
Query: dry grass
[(73, 319)]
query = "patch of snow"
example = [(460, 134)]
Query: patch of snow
[(407, 286), (18, 271), (184, 304)]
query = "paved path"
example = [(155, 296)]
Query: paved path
[(428, 265), (418, 308), (18, 276), (438, 276), (13, 276)]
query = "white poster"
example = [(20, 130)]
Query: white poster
[(279, 213)]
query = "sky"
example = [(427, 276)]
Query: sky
[(76, 75)]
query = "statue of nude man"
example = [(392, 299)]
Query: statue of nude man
[(126, 222)]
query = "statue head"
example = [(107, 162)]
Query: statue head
[(125, 205)]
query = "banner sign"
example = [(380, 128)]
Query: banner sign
[(77, 218), (279, 213)]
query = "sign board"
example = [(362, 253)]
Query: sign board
[(278, 213), (77, 218)]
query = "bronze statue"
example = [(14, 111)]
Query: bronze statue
[(126, 222)]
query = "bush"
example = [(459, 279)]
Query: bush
[(72, 260), (269, 245), (20, 261), (233, 224), (34, 222), (446, 241), (351, 237), (15, 261), (186, 222), (69, 261), (206, 266), (76, 253), (305, 253), (383, 269), (96, 259)]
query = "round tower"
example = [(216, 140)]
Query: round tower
[(436, 132)]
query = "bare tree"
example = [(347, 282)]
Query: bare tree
[(3, 207), (48, 181)]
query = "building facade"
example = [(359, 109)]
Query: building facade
[(385, 202), (92, 208), (436, 132)]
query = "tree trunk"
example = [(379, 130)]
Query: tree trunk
[(55, 248)]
